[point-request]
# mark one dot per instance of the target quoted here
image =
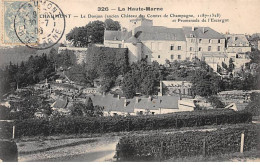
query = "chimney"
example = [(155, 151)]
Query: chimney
[(192, 28), (150, 98), (137, 99), (125, 103), (118, 97), (203, 29)]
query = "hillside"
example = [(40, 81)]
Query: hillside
[(18, 54)]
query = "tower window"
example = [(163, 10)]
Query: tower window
[(172, 47), (159, 56), (179, 47)]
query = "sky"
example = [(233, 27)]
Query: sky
[(243, 15), (239, 16)]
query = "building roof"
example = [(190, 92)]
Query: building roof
[(60, 103), (237, 40), (111, 103), (188, 32), (133, 40), (145, 33), (207, 33), (116, 35), (214, 54), (159, 33)]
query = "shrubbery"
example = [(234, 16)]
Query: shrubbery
[(75, 125), (158, 146)]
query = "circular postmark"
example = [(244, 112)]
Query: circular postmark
[(39, 24)]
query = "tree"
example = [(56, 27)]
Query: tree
[(231, 65), (141, 78), (112, 25), (205, 83), (255, 56), (78, 36), (215, 102), (90, 105), (93, 32)]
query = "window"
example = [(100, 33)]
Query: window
[(179, 56), (209, 40), (172, 56), (160, 46), (200, 40), (119, 45), (146, 56), (219, 41), (191, 49), (159, 56), (153, 45), (179, 47), (209, 48), (172, 47), (152, 113), (200, 49), (218, 48)]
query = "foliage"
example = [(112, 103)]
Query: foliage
[(107, 63), (78, 124), (93, 32), (215, 101), (4, 113), (79, 37), (231, 65), (205, 83), (141, 78), (255, 56), (254, 106), (158, 146), (112, 25), (87, 110)]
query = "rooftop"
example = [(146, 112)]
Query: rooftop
[(109, 102)]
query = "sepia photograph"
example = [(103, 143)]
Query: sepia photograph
[(129, 81)]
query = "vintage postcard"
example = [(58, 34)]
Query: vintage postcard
[(129, 81)]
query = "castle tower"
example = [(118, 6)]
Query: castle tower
[(140, 21)]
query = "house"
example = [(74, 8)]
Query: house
[(161, 44), (5, 104), (215, 59), (202, 40), (40, 115), (91, 91), (140, 105), (59, 103), (170, 87), (238, 48), (238, 97), (62, 106), (59, 81), (158, 43)]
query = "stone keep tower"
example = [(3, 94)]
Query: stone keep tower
[(134, 46), (140, 21)]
